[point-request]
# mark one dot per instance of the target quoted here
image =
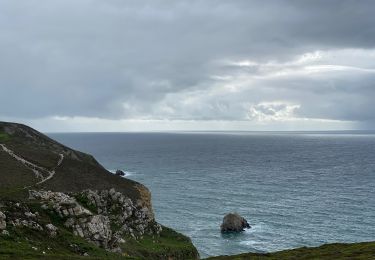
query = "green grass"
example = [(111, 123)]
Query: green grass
[(170, 242), (14, 193), (20, 243), (354, 251), (4, 137), (36, 154), (14, 177), (85, 202)]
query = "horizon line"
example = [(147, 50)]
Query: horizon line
[(215, 131)]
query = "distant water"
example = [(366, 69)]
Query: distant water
[(295, 189)]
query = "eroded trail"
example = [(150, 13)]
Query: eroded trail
[(40, 172)]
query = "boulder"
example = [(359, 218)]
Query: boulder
[(233, 222), (52, 230), (4, 233), (99, 229), (120, 173), (3, 223)]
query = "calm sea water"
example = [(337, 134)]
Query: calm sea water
[(296, 189)]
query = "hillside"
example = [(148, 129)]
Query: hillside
[(61, 203), (354, 251), (77, 171)]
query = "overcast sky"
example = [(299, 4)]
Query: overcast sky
[(118, 65)]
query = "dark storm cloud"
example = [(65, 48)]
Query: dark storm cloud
[(162, 59)]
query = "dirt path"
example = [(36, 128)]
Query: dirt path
[(38, 170)]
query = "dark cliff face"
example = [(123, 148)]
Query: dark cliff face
[(77, 171)]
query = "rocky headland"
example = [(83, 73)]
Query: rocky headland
[(59, 203)]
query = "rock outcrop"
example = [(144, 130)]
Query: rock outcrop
[(233, 222), (51, 229), (94, 214), (3, 223)]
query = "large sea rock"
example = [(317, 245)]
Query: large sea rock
[(233, 222)]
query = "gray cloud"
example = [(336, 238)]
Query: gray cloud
[(177, 59)]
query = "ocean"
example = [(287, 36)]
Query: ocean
[(295, 189)]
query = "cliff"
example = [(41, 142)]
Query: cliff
[(58, 202)]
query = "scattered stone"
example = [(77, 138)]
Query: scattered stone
[(3, 224), (233, 222), (30, 215), (69, 222), (5, 233), (51, 230), (116, 250), (29, 224)]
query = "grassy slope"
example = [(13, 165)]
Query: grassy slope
[(19, 245), (169, 243), (9, 188), (354, 251), (78, 171), (3, 137)]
